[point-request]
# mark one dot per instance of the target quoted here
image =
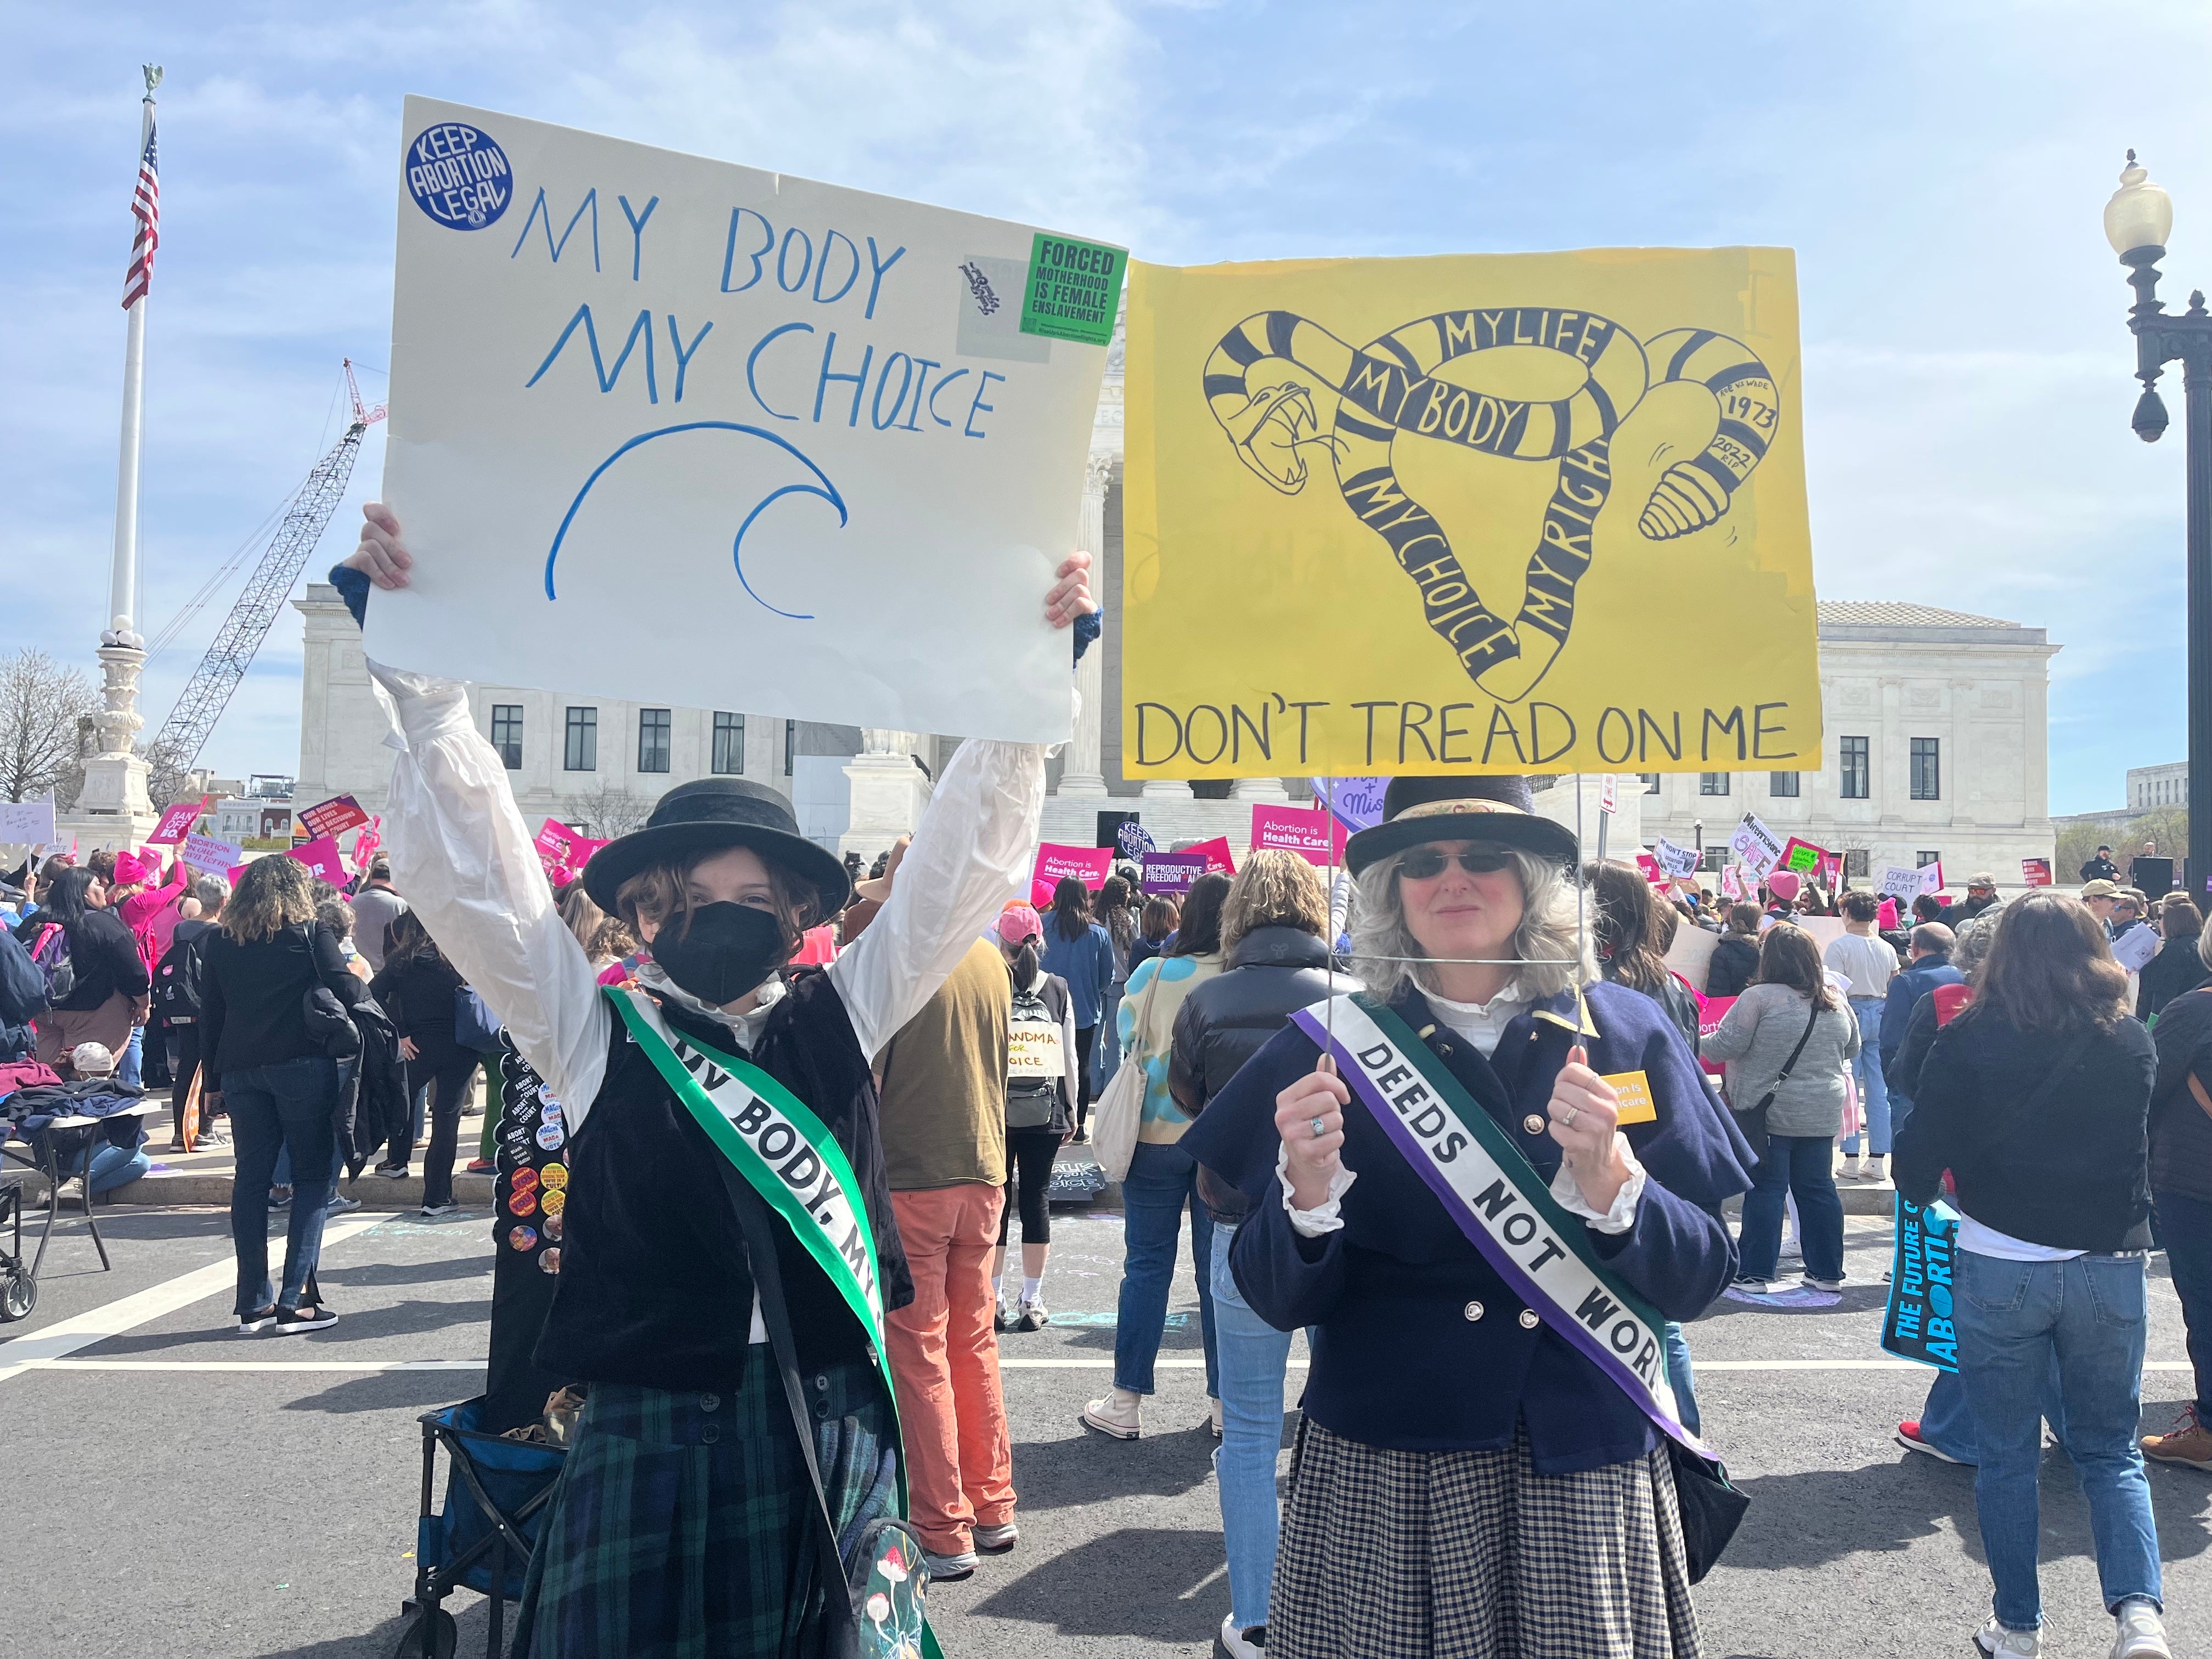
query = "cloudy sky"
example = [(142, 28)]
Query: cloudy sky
[(1940, 171)]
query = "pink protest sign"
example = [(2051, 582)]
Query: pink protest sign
[(321, 856), (818, 947), (1088, 865), (1217, 855), (1711, 1010), (1311, 833), (563, 851), (365, 843), (1652, 872), (2036, 873), (332, 818), (177, 822), (1802, 858)]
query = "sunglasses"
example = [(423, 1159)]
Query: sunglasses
[(1427, 863)]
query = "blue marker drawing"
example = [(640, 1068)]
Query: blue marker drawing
[(827, 492)]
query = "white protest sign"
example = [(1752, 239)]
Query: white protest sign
[(1756, 845), (1674, 860), (28, 822), (2134, 949), (1732, 882), (1896, 881), (1608, 793), (207, 854), (677, 431)]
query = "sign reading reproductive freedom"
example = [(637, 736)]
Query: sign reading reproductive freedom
[(682, 432), (1454, 505)]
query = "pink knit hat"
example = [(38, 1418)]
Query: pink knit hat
[(131, 869)]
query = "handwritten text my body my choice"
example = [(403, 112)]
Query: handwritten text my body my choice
[(1530, 735), (820, 266)]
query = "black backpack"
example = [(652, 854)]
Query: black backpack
[(177, 982)]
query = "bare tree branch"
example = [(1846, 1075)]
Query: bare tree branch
[(610, 811), (41, 704)]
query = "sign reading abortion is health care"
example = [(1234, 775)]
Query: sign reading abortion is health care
[(684, 432), (1455, 505)]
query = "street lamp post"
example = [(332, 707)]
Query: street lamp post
[(2137, 221)]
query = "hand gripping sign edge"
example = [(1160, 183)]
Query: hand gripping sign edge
[(1261, 381)]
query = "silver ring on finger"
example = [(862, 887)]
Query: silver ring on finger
[(1319, 1129), (1567, 1118)]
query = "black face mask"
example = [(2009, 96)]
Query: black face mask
[(726, 950)]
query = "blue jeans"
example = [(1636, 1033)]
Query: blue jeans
[(1254, 1357), (114, 1166), (2184, 1228), (1681, 1377), (1108, 1060), (1866, 1066), (287, 1107), (2012, 1318), (128, 1062), (1947, 1421), (1801, 1164), (1162, 1182)]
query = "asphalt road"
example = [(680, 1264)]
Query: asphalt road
[(162, 1508)]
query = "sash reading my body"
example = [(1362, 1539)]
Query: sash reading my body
[(1496, 1197)]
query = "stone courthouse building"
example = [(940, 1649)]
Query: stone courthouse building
[(1935, 741)]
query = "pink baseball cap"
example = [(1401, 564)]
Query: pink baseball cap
[(1019, 921)]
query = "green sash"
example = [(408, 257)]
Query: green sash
[(787, 1155)]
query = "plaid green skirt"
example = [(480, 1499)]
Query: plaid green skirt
[(680, 1527)]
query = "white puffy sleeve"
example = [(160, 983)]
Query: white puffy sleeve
[(463, 858), (970, 851)]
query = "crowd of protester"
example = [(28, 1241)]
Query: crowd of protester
[(1998, 1051)]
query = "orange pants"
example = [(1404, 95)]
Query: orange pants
[(944, 1357)]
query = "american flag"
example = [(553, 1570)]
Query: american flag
[(146, 208)]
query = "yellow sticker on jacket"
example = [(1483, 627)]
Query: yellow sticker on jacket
[(1636, 1105)]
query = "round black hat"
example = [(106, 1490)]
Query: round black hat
[(709, 813), (1460, 808)]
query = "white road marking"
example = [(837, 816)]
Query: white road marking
[(59, 1341), (356, 1365)]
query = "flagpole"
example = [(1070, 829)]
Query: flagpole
[(123, 573)]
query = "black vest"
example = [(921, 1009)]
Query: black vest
[(655, 1288)]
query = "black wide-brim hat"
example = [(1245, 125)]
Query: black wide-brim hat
[(1490, 808), (710, 814)]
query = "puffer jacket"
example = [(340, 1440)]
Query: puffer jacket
[(1272, 974)]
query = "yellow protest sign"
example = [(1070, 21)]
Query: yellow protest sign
[(1467, 513)]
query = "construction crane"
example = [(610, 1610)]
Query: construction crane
[(177, 745)]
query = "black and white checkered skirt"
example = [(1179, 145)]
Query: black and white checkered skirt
[(1474, 1555)]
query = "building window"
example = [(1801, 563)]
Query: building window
[(790, 745), (1921, 861), (1927, 770), (1712, 783), (1650, 782), (1782, 786), (729, 743), (1714, 859), (1857, 863), (653, 739), (507, 733), (579, 752), (1856, 770)]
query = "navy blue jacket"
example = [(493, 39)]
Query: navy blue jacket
[(1906, 987), (1418, 1344)]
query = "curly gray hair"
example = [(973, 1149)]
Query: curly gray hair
[(1386, 957), (1972, 947)]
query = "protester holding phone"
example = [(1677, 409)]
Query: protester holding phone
[(703, 1368), (1453, 1412)]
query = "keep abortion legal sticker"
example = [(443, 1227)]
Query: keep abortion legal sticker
[(459, 175)]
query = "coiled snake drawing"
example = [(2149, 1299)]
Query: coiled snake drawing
[(1390, 387)]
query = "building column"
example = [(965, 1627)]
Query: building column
[(114, 804), (1259, 789), (889, 791), (1085, 773)]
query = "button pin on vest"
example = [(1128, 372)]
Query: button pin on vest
[(1529, 1320), (1474, 1310), (1532, 1123)]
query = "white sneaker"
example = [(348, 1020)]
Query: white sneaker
[(1119, 1414), (2142, 1632), (1033, 1316), (1237, 1642), (996, 1541), (1999, 1642)]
